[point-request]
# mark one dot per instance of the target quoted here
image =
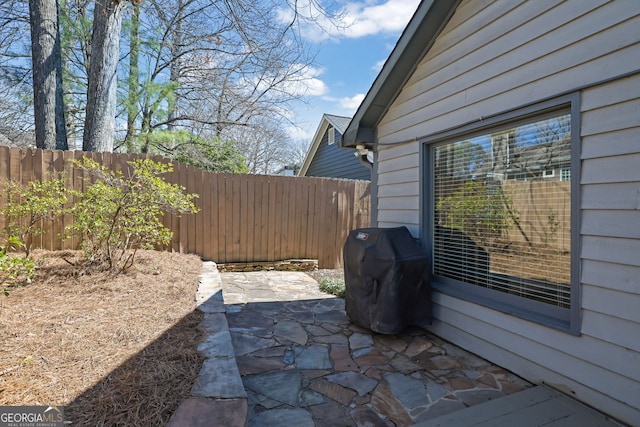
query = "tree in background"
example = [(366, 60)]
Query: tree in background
[(267, 148), (102, 82), (47, 75), (212, 155), (76, 25), (16, 91), (221, 71)]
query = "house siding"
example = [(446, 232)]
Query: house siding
[(331, 161), (494, 57)]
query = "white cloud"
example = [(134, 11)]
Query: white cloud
[(357, 19), (348, 104), (351, 104), (314, 85), (307, 83), (389, 17), (298, 133), (378, 65)]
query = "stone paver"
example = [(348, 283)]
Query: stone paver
[(281, 386), (278, 352), (218, 395), (203, 412), (304, 363)]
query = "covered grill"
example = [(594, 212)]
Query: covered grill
[(387, 280)]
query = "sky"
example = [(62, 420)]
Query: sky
[(348, 59)]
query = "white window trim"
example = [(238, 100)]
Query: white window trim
[(331, 135)]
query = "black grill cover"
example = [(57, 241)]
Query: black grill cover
[(386, 279)]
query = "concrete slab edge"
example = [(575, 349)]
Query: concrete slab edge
[(218, 397)]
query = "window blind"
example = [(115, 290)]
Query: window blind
[(502, 210)]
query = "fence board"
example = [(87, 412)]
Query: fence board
[(227, 230), (113, 164), (301, 218), (216, 217), (236, 216), (249, 207), (27, 174), (44, 159), (255, 245), (184, 233), (4, 174), (39, 173), (320, 230), (263, 220), (275, 218), (241, 218), (64, 162), (244, 209), (5, 158), (191, 219), (344, 213), (166, 218), (172, 221), (199, 228), (334, 213), (311, 223), (26, 166), (283, 219), (288, 195), (14, 165), (205, 215), (220, 212)]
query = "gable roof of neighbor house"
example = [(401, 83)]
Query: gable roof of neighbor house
[(340, 124), (417, 38)]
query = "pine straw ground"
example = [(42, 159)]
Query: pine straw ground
[(115, 351)]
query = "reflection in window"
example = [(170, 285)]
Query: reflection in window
[(502, 210)]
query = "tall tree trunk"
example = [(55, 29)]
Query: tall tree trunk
[(176, 64), (145, 130), (46, 55), (99, 124), (134, 76)]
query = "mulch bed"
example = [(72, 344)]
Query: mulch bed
[(116, 351)]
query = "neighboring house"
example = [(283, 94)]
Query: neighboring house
[(326, 159), (539, 276)]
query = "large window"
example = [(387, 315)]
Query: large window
[(500, 215)]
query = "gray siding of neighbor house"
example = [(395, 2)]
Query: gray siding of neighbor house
[(332, 161), (493, 57)]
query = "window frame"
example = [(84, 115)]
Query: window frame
[(564, 319), (331, 135)]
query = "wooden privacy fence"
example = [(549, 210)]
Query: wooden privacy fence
[(242, 218), (544, 211)]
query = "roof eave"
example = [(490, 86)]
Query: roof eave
[(327, 119), (414, 43)]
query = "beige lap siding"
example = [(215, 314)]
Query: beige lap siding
[(493, 57)]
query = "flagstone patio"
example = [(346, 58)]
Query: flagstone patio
[(281, 353)]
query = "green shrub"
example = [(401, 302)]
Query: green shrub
[(121, 213), (28, 205), (333, 286), (14, 270), (477, 209)]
